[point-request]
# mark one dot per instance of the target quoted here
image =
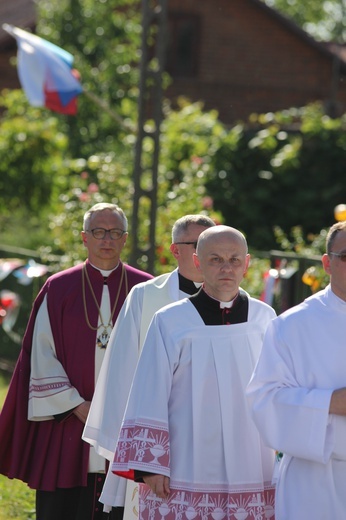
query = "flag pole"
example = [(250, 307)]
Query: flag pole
[(105, 106)]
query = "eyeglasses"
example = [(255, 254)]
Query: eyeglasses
[(194, 244), (99, 233), (342, 256)]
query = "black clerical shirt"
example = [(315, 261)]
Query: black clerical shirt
[(212, 314), (187, 286)]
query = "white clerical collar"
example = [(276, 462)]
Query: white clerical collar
[(223, 305), (105, 272), (226, 305)]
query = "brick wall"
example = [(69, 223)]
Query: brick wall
[(251, 61), (8, 72)]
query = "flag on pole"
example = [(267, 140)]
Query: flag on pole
[(45, 72)]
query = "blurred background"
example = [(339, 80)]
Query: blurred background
[(232, 108)]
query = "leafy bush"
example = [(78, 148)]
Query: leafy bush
[(285, 169)]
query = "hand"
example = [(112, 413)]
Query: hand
[(82, 410), (338, 402), (159, 484)]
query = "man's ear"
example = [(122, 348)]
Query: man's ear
[(326, 263), (247, 263), (174, 249), (196, 261), (84, 238)]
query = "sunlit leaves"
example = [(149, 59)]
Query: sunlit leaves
[(104, 38), (323, 19)]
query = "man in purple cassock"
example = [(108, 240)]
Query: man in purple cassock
[(43, 417)]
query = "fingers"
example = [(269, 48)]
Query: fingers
[(82, 411), (166, 486), (159, 484), (162, 488)]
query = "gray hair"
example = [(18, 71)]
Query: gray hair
[(183, 223), (101, 206), (333, 231)]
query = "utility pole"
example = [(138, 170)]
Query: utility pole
[(154, 32)]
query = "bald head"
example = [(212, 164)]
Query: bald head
[(222, 258), (218, 233)]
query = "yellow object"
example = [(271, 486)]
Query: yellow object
[(340, 212)]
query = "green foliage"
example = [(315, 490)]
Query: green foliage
[(104, 38), (4, 381), (31, 155), (107, 177), (32, 172), (17, 501), (283, 169), (253, 282), (100, 178), (286, 169), (304, 246), (312, 246), (325, 20)]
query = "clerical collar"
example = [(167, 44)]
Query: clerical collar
[(222, 305), (188, 286), (105, 272), (211, 313)]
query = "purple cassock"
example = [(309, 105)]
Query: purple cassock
[(51, 454)]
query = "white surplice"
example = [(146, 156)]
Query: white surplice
[(302, 362), (187, 417), (45, 400)]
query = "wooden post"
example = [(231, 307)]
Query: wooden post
[(154, 23)]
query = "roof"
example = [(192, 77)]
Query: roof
[(21, 13), (328, 49)]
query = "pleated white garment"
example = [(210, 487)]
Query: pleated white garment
[(302, 362), (187, 417)]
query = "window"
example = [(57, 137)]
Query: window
[(183, 45)]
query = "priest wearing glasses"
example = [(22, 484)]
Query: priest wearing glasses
[(49, 397), (298, 395), (113, 385)]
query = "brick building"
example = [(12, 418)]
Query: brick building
[(238, 56), (22, 14), (242, 57)]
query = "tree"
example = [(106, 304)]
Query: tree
[(32, 170), (187, 134), (288, 169), (104, 38), (323, 19)]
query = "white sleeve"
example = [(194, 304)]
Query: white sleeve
[(291, 418), (114, 382), (50, 391)]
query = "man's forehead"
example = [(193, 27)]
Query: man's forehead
[(227, 250), (223, 241)]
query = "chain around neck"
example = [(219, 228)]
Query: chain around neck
[(85, 275)]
